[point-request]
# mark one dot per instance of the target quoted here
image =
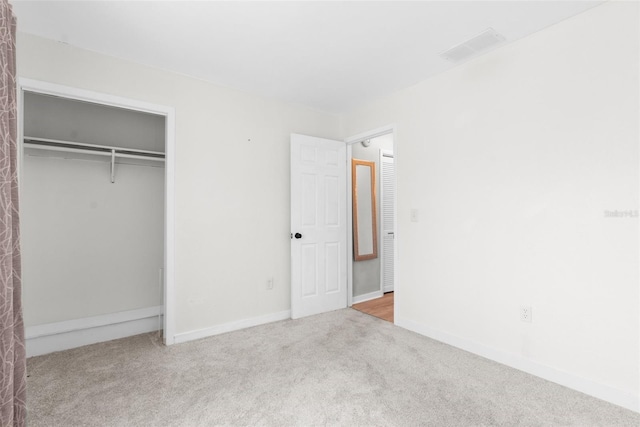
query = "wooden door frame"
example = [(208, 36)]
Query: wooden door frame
[(384, 130), (46, 88)]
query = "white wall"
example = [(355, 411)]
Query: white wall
[(89, 247), (512, 160), (69, 120), (232, 194)]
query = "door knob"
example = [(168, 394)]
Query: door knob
[(298, 235)]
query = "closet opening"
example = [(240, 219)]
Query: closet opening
[(95, 206)]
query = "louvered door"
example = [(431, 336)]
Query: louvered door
[(387, 195)]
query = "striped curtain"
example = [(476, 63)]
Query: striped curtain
[(13, 385)]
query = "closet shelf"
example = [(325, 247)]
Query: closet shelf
[(101, 150)]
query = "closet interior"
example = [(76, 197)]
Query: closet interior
[(92, 219)]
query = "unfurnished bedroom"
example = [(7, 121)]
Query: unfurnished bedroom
[(312, 213)]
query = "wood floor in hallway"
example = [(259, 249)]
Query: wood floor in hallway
[(380, 307)]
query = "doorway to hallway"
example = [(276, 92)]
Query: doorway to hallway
[(381, 308), (372, 278)]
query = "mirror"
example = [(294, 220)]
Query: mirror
[(365, 237)]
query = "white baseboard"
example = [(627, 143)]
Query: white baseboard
[(600, 391), (366, 297), (232, 326), (50, 337)]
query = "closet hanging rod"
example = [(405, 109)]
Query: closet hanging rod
[(92, 152), (79, 147)]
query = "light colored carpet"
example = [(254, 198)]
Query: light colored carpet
[(340, 368)]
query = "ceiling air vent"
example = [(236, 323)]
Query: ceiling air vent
[(475, 45)]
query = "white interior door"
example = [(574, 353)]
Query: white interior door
[(387, 196), (318, 225)]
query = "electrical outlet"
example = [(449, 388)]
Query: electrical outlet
[(270, 283), (526, 314)]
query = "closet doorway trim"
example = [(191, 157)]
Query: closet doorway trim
[(46, 88)]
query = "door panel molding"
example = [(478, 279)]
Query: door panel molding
[(319, 218)]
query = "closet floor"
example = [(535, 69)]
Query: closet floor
[(380, 307)]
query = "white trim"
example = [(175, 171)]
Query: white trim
[(349, 229), (53, 89), (50, 337), (367, 297), (90, 322), (592, 388), (47, 88), (384, 130), (232, 326), (374, 133), (169, 231)]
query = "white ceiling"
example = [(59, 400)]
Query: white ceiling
[(330, 56)]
